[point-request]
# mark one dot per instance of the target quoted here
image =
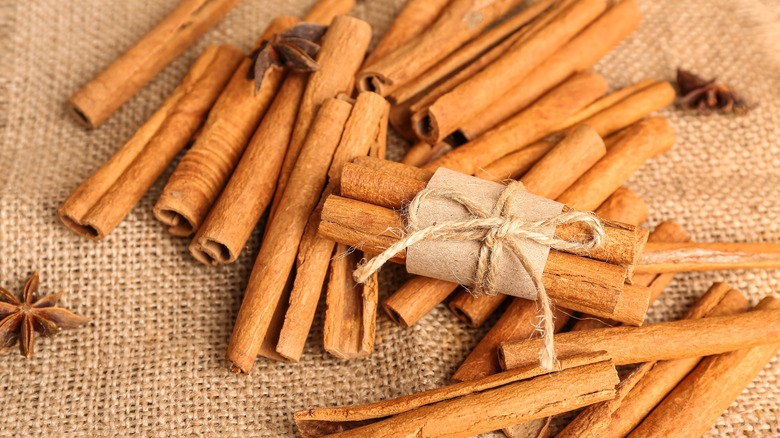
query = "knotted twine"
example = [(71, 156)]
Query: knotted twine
[(495, 230)]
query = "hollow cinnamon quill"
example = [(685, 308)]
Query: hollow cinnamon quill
[(685, 338), (530, 125), (94, 103), (100, 203)]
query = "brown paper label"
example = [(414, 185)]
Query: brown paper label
[(456, 261)]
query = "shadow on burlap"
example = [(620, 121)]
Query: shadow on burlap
[(152, 360)]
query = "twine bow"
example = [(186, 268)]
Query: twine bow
[(495, 229)]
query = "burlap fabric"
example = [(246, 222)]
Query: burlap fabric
[(152, 363)]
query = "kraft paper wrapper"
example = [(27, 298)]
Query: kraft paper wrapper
[(456, 261)]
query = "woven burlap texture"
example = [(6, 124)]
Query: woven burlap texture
[(152, 362)]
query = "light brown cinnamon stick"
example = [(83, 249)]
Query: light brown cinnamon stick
[(528, 126), (449, 111), (518, 322), (239, 207), (275, 260), (100, 203), (599, 420), (579, 54), (363, 129), (660, 341), (698, 401), (206, 167), (639, 143), (343, 49), (414, 18), (421, 153), (606, 122), (475, 49), (470, 408), (706, 256), (350, 319), (94, 103), (459, 21)]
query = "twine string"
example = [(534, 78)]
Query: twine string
[(495, 229)]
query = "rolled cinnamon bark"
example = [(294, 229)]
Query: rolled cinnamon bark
[(239, 207), (707, 256), (458, 22), (363, 129), (371, 229), (470, 408), (414, 18), (275, 260), (639, 143), (518, 322), (528, 126), (502, 34), (421, 153), (343, 49), (648, 392), (206, 167), (697, 402), (100, 203), (94, 103), (470, 97), (579, 54), (350, 318), (680, 339), (607, 121)]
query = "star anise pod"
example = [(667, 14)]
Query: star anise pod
[(19, 320), (696, 93), (295, 48)]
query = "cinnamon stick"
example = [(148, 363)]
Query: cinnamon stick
[(607, 116), (275, 260), (528, 126), (639, 143), (100, 203), (205, 168), (579, 54), (96, 101), (706, 256), (697, 402), (363, 129), (458, 22), (651, 389), (680, 339), (500, 34), (224, 233), (350, 318), (517, 322), (470, 408), (449, 111), (343, 49), (414, 18)]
